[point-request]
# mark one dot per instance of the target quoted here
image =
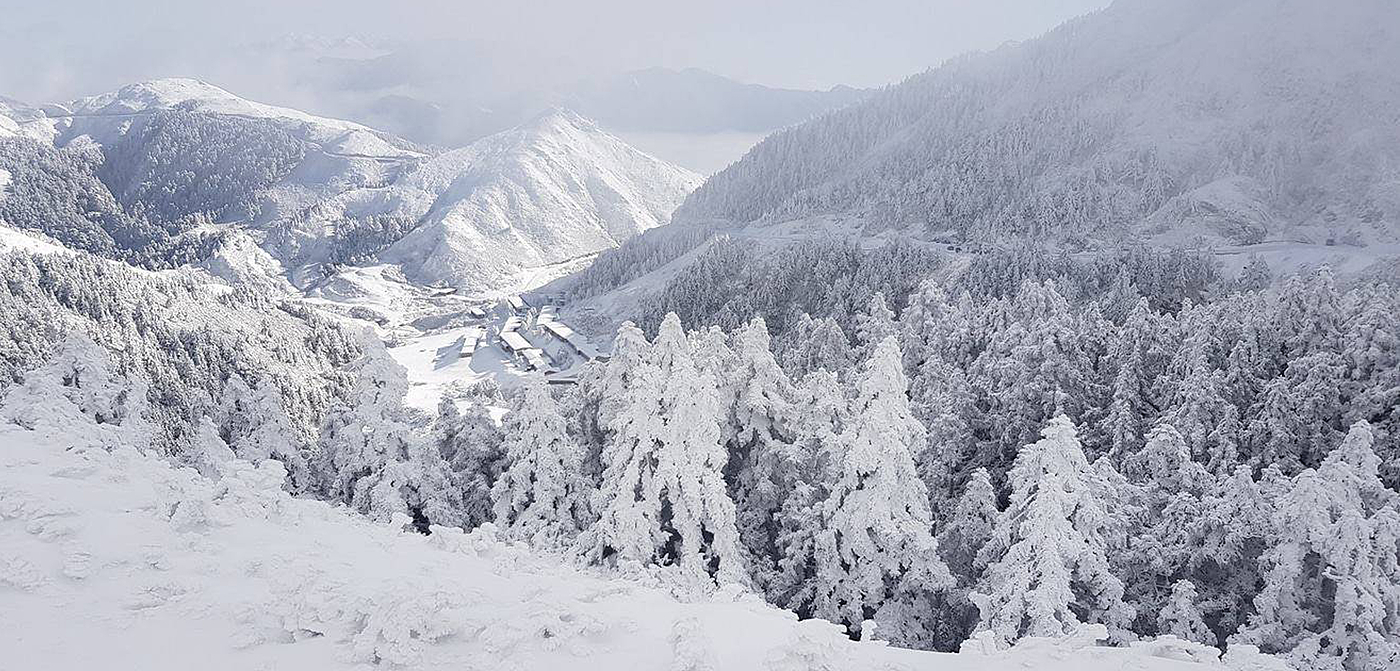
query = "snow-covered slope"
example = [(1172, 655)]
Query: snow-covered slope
[(1237, 121), (275, 161), (550, 191), (113, 559), (191, 95)]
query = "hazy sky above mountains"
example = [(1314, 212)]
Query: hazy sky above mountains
[(56, 51)]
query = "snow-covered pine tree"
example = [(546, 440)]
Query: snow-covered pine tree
[(1297, 417), (209, 454), (876, 556), (1194, 403), (1371, 388), (1232, 532), (1181, 616), (80, 380), (761, 414), (815, 458), (371, 459), (1310, 316), (542, 496), (1131, 405), (960, 539), (629, 360), (254, 423), (472, 445), (1032, 369), (1323, 604), (1046, 559), (874, 324), (663, 498), (813, 345), (943, 401), (1166, 488), (1255, 276)]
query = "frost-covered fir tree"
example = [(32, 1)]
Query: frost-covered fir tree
[(1195, 405), (663, 498), (760, 413), (629, 362), (969, 527), (79, 386), (1046, 559), (370, 457), (1371, 388), (543, 495), (943, 402), (1324, 603), (1309, 318), (1298, 415), (1181, 616), (876, 555), (874, 324), (1164, 490), (1030, 370), (960, 539), (1228, 537), (815, 457), (254, 423), (209, 454), (813, 345), (1131, 398), (472, 445)]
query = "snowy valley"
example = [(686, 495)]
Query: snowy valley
[(1081, 353)]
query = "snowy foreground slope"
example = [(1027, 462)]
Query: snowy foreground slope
[(115, 560)]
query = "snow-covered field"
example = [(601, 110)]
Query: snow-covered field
[(438, 361), (116, 560)]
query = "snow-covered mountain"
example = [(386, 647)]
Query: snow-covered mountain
[(1239, 122), (553, 190), (1258, 127), (145, 128), (315, 190)]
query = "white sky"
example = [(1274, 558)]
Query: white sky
[(56, 50)]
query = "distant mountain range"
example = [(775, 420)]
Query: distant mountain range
[(450, 93), (164, 172)]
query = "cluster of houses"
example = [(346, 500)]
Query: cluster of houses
[(539, 341)]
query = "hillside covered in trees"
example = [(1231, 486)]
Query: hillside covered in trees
[(1031, 444), (1260, 119)]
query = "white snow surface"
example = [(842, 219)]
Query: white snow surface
[(113, 559), (15, 239)]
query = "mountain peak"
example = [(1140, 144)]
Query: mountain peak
[(559, 119), (196, 95)]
